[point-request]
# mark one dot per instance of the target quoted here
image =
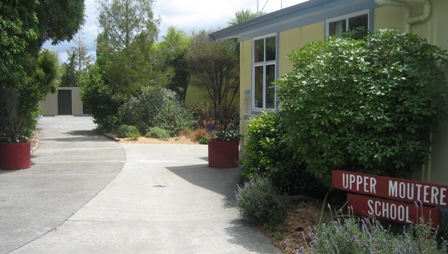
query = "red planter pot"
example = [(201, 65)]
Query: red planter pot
[(15, 155), (223, 154)]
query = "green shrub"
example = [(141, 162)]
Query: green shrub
[(128, 131), (156, 132), (101, 99), (364, 105), (259, 202), (267, 154), (203, 141), (368, 236), (174, 117), (158, 107)]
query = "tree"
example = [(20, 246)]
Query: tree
[(82, 59), (215, 64), (18, 29), (366, 105), (70, 76), (242, 16), (101, 99), (172, 62), (79, 62), (24, 27), (128, 30), (59, 20)]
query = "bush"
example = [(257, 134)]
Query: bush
[(364, 105), (156, 132), (368, 236), (174, 117), (128, 131), (101, 99), (158, 107), (259, 202), (267, 154), (203, 141)]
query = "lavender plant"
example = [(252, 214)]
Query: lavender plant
[(351, 234), (259, 202)]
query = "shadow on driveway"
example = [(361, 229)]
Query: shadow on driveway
[(221, 181)]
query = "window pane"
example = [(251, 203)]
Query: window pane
[(270, 88), (337, 28), (359, 21), (270, 48), (259, 50), (258, 103)]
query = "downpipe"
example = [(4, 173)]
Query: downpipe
[(409, 21)]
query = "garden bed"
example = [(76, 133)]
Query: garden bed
[(293, 231)]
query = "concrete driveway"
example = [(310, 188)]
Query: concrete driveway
[(87, 194)]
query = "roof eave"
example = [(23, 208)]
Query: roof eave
[(297, 15), (233, 31)]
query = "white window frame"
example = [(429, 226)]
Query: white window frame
[(347, 17), (264, 64)]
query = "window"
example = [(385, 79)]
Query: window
[(337, 26), (265, 57)]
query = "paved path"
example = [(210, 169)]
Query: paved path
[(86, 194)]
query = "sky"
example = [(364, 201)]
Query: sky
[(189, 16)]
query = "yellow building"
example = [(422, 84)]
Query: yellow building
[(266, 41)]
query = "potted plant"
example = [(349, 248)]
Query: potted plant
[(223, 149), (15, 148)]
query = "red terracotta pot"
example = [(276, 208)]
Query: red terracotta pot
[(223, 154), (15, 155)]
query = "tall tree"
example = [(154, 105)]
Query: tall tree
[(128, 30), (215, 64), (79, 61), (172, 62), (70, 76), (82, 57)]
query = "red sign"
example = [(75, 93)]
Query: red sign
[(391, 188), (395, 211)]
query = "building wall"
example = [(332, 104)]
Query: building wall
[(77, 104), (296, 38), (49, 106), (198, 97), (433, 30), (288, 41), (388, 17), (245, 80)]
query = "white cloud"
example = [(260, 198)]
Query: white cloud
[(188, 16)]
